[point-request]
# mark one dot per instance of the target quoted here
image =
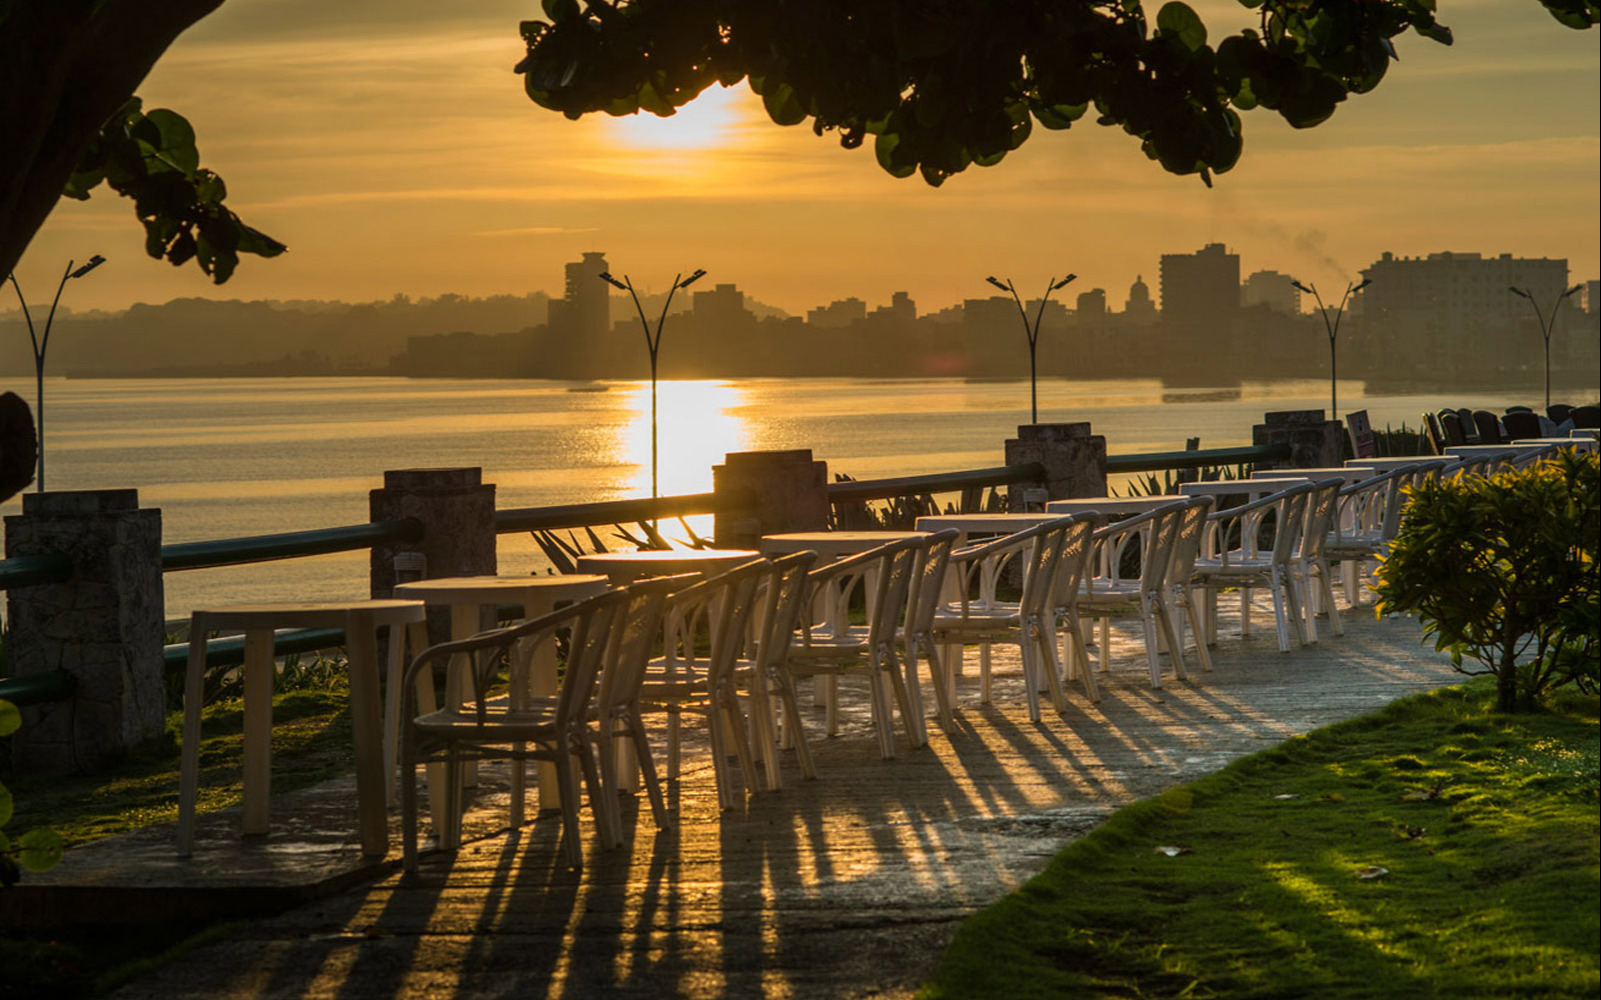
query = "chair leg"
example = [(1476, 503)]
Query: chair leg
[(764, 731), (604, 789), (1245, 610), (792, 722), (408, 814), (572, 848), (984, 673), (647, 768), (1324, 578), (937, 680), (1044, 638), (1191, 609), (1074, 634), (719, 739), (1152, 649), (909, 692)]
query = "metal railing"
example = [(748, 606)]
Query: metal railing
[(55, 568)]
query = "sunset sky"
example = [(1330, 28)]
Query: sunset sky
[(390, 145)]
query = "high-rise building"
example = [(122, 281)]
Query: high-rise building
[(1272, 289), (584, 311), (842, 312), (1200, 288)]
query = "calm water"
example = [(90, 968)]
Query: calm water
[(231, 457)]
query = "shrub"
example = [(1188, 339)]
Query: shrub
[(1502, 570)]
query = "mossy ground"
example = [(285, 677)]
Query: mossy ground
[(1485, 827)]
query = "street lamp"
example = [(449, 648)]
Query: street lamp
[(653, 344), (41, 344), (1033, 333), (1547, 321), (1333, 330)]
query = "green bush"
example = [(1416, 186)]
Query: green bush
[(35, 851), (1502, 570)]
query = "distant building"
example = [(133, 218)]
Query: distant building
[(721, 307), (584, 311), (1272, 289), (837, 314), (1201, 287), (901, 309), (1091, 304), (1140, 309)]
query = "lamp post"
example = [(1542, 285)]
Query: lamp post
[(653, 343), (41, 344), (1333, 329), (1547, 322), (1032, 330)]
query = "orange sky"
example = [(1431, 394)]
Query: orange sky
[(390, 145)]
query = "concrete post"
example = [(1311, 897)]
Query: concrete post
[(1315, 443), (457, 511), (104, 626), (765, 492), (1074, 461)]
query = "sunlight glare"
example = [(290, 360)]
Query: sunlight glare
[(707, 122), (697, 426)]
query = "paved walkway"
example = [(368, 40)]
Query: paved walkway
[(844, 887)]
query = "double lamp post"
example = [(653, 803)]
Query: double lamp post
[(1032, 331)]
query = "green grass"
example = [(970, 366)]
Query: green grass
[(1487, 827), (311, 742)]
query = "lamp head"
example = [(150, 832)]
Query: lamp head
[(696, 276), (998, 284), (90, 265), (1520, 293), (608, 279), (1573, 291), (1302, 287), (1064, 282), (1365, 282)]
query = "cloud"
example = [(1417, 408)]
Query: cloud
[(538, 231)]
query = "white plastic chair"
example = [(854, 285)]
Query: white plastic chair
[(1367, 518), (916, 634), (1233, 555), (1309, 565), (516, 725), (1107, 591), (764, 672), (977, 615), (835, 648), (1183, 603)]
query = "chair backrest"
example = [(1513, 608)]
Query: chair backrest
[(898, 565), (1469, 428), (588, 625), (730, 604), (1558, 412), (781, 599), (1489, 427), (1187, 542), (928, 582), (1078, 549), (1451, 426), (635, 630), (1586, 416), (1431, 427), (1321, 507), (1521, 424), (1157, 531)]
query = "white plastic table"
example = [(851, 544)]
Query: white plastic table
[(472, 600), (1581, 444), (1347, 473), (1481, 450), (626, 567), (1108, 505), (1250, 488), (361, 621), (984, 524), (1396, 462)]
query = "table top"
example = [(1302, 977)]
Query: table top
[(832, 543), (310, 614), (1396, 462), (984, 524), (1477, 450), (1249, 487), (487, 589), (1581, 443), (621, 567), (1349, 473), (1108, 505)]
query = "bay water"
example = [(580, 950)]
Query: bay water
[(225, 458)]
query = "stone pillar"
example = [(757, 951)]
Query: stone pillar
[(1315, 443), (1074, 461), (457, 511), (104, 626), (766, 492)]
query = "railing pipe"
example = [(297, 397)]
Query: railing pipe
[(36, 689), (287, 545), (1152, 460), (580, 515), (29, 571), (880, 489), (229, 651)]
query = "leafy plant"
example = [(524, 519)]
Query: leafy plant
[(1502, 570), (39, 849)]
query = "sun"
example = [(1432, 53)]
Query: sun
[(707, 122)]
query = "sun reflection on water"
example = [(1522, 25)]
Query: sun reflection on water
[(697, 425)]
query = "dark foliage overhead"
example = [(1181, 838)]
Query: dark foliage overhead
[(943, 84)]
